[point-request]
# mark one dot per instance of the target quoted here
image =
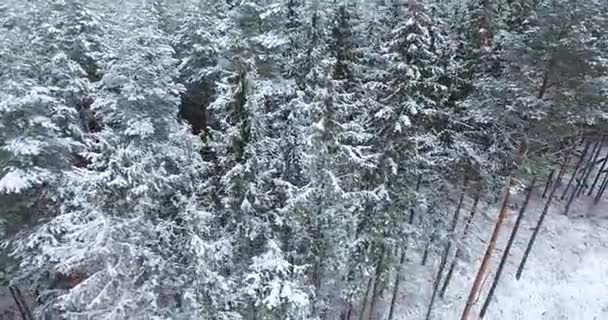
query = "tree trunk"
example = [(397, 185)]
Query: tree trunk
[(396, 287), (549, 183), (578, 164), (444, 255), (448, 277), (376, 286), (425, 254), (595, 154), (579, 185), (535, 232), (436, 281), (562, 169), (602, 189), (505, 254), (488, 254), (412, 211), (24, 309), (597, 176), (364, 305), (402, 260)]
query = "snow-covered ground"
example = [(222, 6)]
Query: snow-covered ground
[(566, 275)]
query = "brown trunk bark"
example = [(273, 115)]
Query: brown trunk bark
[(505, 254), (488, 254)]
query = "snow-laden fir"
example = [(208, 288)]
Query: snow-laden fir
[(300, 159)]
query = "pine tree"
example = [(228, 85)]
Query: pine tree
[(126, 207)]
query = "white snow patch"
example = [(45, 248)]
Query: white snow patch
[(565, 277)]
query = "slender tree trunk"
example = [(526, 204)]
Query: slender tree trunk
[(402, 259), (549, 183), (562, 169), (444, 255), (535, 232), (347, 313), (602, 189), (594, 155), (597, 176), (24, 309), (365, 298), (376, 286), (505, 254), (425, 254), (488, 254), (580, 183), (578, 164), (412, 211), (396, 286), (436, 282), (448, 277)]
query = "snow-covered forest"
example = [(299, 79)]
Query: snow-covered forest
[(302, 159)]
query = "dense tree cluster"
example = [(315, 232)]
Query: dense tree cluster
[(269, 159)]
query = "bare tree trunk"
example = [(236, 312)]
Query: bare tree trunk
[(562, 169), (425, 254), (597, 176), (364, 305), (24, 309), (402, 259), (347, 314), (594, 155), (549, 183), (436, 282), (535, 232), (444, 255), (488, 254), (578, 164), (602, 189), (580, 183), (505, 254), (376, 286), (448, 277), (412, 211), (396, 287)]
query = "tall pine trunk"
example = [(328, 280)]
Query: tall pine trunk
[(505, 254), (402, 259), (444, 256), (578, 164), (597, 176), (594, 155), (24, 309), (580, 183), (536, 230), (602, 189), (391, 310), (427, 249), (492, 243), (549, 183), (436, 282), (376, 286), (448, 277), (365, 299)]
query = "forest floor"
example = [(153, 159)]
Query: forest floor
[(566, 275)]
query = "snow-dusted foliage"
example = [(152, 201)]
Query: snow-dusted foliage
[(272, 159)]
